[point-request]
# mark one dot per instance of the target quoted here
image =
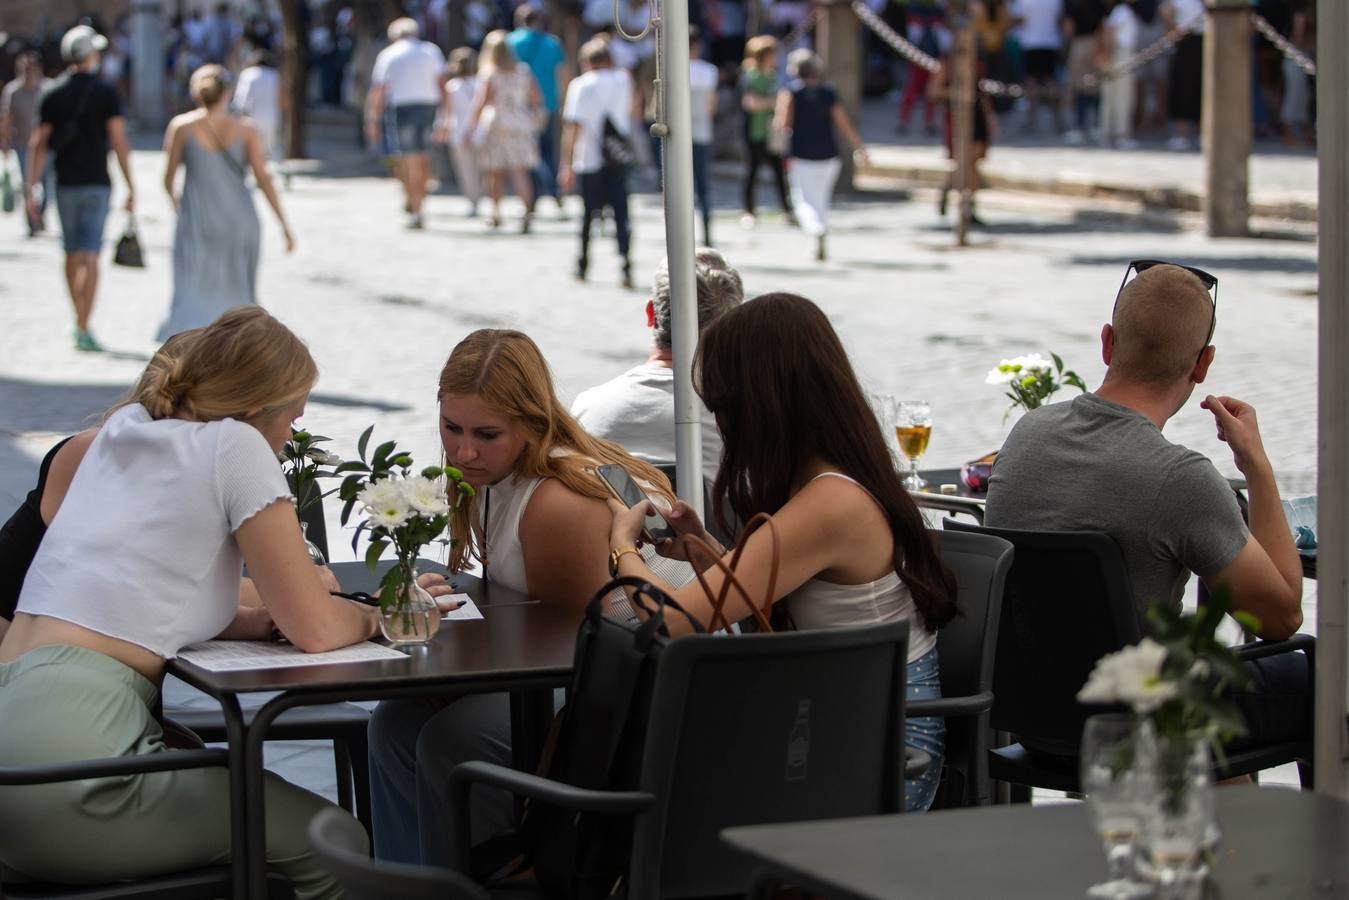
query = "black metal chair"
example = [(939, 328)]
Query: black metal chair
[(344, 724), (205, 883), (1068, 603), (965, 647), (715, 753), (345, 852)]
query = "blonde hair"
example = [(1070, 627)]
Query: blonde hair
[(1161, 321), (209, 85), (496, 55), (244, 365), (168, 351), (506, 370), (757, 47), (463, 63)]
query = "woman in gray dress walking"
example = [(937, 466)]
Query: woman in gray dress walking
[(215, 246)]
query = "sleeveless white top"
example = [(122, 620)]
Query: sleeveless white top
[(142, 548), (499, 518), (823, 604)]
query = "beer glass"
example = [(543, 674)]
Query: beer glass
[(913, 429)]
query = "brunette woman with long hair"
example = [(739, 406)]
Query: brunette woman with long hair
[(801, 442), (539, 525)]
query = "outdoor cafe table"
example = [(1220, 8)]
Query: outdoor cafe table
[(1276, 843), (518, 646)]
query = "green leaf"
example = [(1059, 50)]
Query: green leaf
[(1058, 362), (351, 487), (346, 510), (389, 586), (1247, 621), (351, 465), (373, 553), (381, 458), (432, 472), (356, 537), (365, 439)]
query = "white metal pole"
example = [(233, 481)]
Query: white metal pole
[(677, 157), (1332, 585)]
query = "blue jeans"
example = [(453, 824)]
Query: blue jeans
[(84, 210), (544, 175), (923, 677)]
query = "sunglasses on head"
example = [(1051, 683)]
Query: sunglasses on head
[(1210, 282)]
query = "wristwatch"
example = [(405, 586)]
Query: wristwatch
[(618, 553)]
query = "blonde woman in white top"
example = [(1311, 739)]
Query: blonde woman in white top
[(505, 112), (144, 557), (799, 441)]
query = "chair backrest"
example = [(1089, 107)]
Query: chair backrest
[(764, 728), (965, 647), (1067, 603), (342, 847)]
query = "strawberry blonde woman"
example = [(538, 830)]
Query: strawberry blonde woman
[(144, 556)]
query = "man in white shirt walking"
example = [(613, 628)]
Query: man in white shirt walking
[(1040, 24), (598, 101), (258, 96), (404, 94)]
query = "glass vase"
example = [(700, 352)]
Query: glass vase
[(411, 618), (1178, 815), (315, 554)]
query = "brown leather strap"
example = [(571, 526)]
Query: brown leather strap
[(730, 579)]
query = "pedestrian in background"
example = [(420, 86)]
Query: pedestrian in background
[(1150, 77), (924, 23), (80, 118), (1119, 40), (1185, 88), (810, 110), (1081, 23), (547, 60), (216, 242), (703, 80), (1041, 27), (18, 115), (759, 90), (404, 94), (456, 109), (505, 113), (258, 95)]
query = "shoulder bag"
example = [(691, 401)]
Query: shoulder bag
[(616, 150)]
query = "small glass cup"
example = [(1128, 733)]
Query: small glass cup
[(1114, 787)]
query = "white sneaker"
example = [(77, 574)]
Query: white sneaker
[(747, 221)]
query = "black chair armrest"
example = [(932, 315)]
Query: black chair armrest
[(535, 787), (916, 762), (1261, 649), (971, 705), (107, 768)]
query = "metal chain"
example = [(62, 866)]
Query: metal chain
[(1285, 46), (897, 43), (802, 28)]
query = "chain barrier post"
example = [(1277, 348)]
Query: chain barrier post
[(962, 87), (840, 46), (1226, 117), (1332, 464)]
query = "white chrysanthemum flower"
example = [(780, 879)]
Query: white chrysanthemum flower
[(1034, 362), (324, 458), (385, 503), (425, 496), (1132, 676)]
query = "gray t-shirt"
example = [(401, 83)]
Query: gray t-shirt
[(1093, 465)]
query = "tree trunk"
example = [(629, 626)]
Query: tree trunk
[(295, 52)]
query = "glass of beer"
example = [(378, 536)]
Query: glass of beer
[(913, 429)]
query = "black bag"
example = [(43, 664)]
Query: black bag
[(599, 746), (616, 150), (128, 252)]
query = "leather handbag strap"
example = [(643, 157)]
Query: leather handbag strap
[(730, 578)]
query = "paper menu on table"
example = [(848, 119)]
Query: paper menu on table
[(469, 609), (235, 656)]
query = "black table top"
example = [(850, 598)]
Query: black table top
[(517, 639), (1276, 843)]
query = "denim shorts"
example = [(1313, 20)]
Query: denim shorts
[(83, 209), (410, 128), (923, 679)]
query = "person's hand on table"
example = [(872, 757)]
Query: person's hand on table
[(439, 587)]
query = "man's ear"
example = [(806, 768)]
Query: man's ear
[(1201, 365), (1107, 343)]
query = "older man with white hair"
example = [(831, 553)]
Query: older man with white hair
[(636, 409), (404, 95)]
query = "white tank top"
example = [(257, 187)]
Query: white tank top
[(503, 506), (823, 604)]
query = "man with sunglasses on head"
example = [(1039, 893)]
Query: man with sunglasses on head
[(1100, 463)]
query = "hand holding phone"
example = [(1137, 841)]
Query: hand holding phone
[(655, 528)]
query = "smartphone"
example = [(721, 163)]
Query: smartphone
[(621, 485)]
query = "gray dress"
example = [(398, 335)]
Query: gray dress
[(215, 248)]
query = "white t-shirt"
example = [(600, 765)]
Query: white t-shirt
[(460, 92), (1042, 23), (592, 97), (636, 411), (1189, 15), (703, 78), (1123, 26), (258, 96), (409, 70), (142, 548)]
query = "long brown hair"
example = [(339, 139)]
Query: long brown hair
[(776, 377), (508, 372)]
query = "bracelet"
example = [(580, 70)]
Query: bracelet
[(618, 553)]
